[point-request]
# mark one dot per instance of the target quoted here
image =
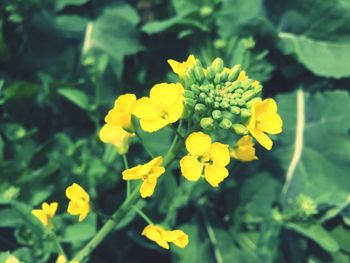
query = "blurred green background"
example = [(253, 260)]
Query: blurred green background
[(63, 63)]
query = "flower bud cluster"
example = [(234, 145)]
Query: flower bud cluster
[(220, 97)]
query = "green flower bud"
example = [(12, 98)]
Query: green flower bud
[(189, 78), (217, 78), (202, 96), (207, 123), (245, 113), (219, 43), (206, 11), (209, 101), (250, 103), (204, 88), (240, 102), (233, 102), (228, 115), (218, 98), (235, 110), (239, 129), (248, 95), (210, 73), (195, 89), (224, 104), (216, 104), (224, 75), (225, 124), (200, 108), (239, 91), (246, 84), (306, 205), (189, 102), (198, 71), (232, 76), (189, 94), (217, 65), (216, 114)]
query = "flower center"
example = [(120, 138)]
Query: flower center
[(205, 159)]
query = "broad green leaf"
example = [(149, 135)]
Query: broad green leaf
[(314, 148), (78, 97), (71, 23), (61, 4), (316, 233), (80, 231), (9, 218), (323, 58), (341, 235), (113, 33)]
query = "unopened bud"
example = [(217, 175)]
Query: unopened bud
[(232, 76), (245, 113), (189, 102), (195, 89), (189, 94), (217, 65), (216, 114), (250, 103), (210, 73), (239, 129), (200, 108), (209, 101), (235, 110), (225, 124), (207, 123)]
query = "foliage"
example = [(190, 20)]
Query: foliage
[(64, 62)]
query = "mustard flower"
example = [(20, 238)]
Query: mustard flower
[(242, 76), (164, 106), (162, 237), (148, 172), (180, 68), (120, 114), (117, 136), (63, 259), (205, 155), (46, 213), (79, 201), (244, 150), (12, 259), (264, 119)]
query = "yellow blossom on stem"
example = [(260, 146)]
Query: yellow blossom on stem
[(244, 149), (162, 107), (46, 213), (12, 259), (79, 201), (205, 155), (148, 172), (180, 68), (120, 114), (264, 119), (163, 237), (117, 136)]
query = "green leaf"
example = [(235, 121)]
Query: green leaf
[(61, 4), (9, 218), (341, 235), (78, 97), (71, 23), (323, 58), (314, 147), (316, 233), (81, 231)]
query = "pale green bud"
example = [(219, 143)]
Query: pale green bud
[(216, 104), (200, 108), (239, 129), (245, 113), (217, 65), (235, 110), (224, 104), (239, 91), (232, 76), (250, 103), (207, 123), (240, 102), (225, 124), (209, 101), (189, 102), (189, 94), (202, 96), (210, 73), (216, 114), (189, 78), (217, 78), (195, 89)]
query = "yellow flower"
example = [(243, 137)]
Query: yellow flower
[(148, 172), (120, 115), (244, 150), (180, 68), (162, 237), (164, 106), (242, 76), (63, 259), (203, 154), (117, 136), (264, 119), (12, 259), (79, 201), (46, 213)]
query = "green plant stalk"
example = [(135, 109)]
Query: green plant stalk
[(126, 206)]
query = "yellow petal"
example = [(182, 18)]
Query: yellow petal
[(75, 191), (175, 112), (220, 154), (265, 109), (198, 143), (120, 115), (12, 259), (155, 234), (153, 125), (73, 208), (180, 68), (53, 208), (132, 173), (41, 216), (61, 259), (147, 188), (262, 139), (215, 174), (178, 237), (155, 173), (191, 168), (272, 125), (165, 95), (146, 168), (242, 76), (145, 109), (117, 136), (244, 150)]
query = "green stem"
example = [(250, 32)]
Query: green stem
[(108, 226), (126, 166), (58, 244), (143, 215)]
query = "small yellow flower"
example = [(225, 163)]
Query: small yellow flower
[(244, 150), (164, 106), (242, 76), (12, 259), (148, 172), (120, 114), (46, 213), (203, 154), (79, 201), (162, 237), (264, 119), (63, 259), (117, 136), (180, 68)]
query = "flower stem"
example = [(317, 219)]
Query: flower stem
[(108, 226), (57, 243), (143, 215), (126, 166)]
